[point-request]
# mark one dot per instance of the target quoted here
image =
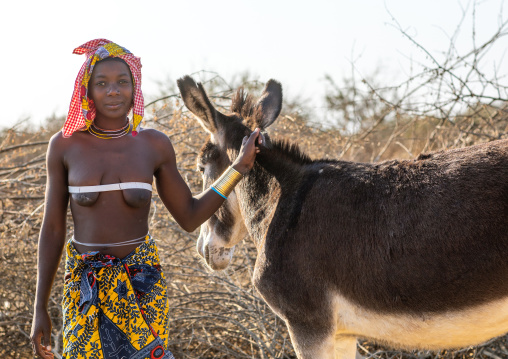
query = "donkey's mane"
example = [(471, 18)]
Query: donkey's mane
[(289, 151), (242, 103)]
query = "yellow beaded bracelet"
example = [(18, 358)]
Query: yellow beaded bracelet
[(226, 182)]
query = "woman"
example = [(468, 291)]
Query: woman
[(115, 301)]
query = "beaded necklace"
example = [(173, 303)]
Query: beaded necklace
[(109, 134)]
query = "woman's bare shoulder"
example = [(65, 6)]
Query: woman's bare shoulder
[(153, 133), (58, 139), (157, 139), (160, 144), (59, 146), (58, 142)]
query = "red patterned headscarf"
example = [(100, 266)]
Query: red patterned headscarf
[(82, 110)]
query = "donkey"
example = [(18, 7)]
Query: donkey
[(410, 253)]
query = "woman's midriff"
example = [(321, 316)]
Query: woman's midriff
[(119, 252)]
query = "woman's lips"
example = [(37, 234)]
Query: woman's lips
[(113, 106)]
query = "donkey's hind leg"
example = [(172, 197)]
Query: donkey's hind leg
[(311, 345)]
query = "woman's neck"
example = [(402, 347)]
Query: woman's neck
[(110, 124)]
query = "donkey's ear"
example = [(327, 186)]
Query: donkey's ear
[(268, 107), (196, 100)]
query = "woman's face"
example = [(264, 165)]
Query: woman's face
[(111, 89)]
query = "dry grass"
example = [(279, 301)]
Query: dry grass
[(214, 315)]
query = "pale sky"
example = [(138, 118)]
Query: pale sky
[(296, 42)]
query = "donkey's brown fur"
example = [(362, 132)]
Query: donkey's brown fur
[(445, 215), (345, 248)]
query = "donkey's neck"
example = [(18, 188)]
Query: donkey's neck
[(275, 175)]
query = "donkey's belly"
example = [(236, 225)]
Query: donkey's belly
[(454, 329)]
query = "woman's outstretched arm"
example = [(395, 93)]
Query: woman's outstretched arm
[(190, 212)]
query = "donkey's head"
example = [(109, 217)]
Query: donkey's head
[(226, 227)]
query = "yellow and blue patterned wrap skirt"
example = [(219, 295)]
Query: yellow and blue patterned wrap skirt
[(115, 308)]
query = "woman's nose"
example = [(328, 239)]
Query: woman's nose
[(113, 90)]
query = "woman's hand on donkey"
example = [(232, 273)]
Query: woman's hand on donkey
[(245, 160)]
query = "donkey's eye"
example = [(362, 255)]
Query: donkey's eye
[(201, 169)]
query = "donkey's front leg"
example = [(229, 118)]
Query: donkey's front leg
[(310, 344), (345, 347)]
